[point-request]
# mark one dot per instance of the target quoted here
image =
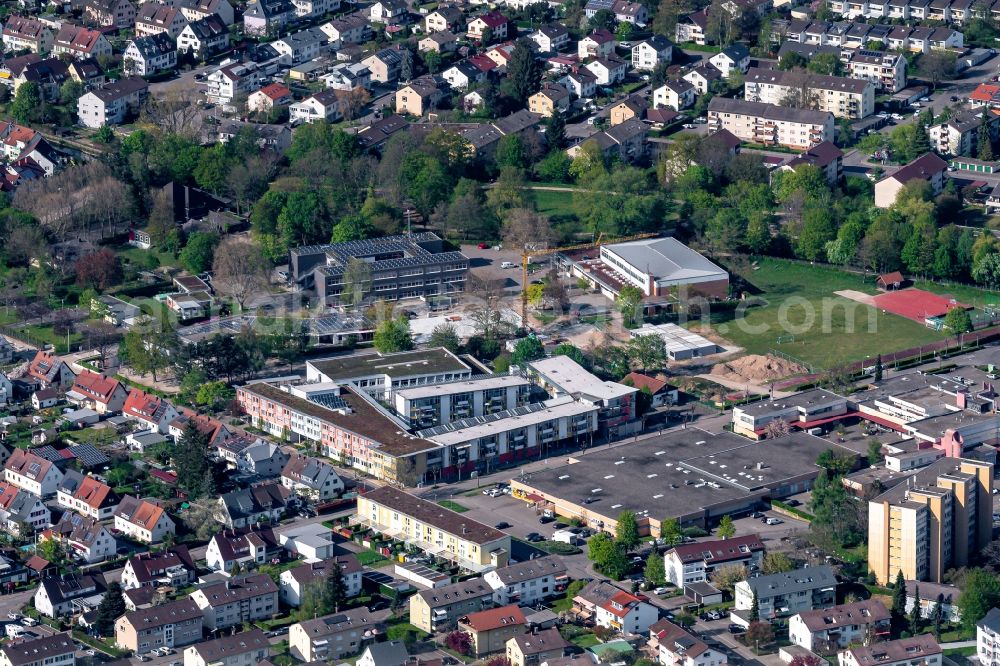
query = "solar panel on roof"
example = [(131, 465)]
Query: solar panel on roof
[(89, 455), (330, 401)]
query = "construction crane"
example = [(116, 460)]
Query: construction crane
[(527, 254)]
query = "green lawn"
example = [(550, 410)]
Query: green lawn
[(46, 335), (453, 506), (829, 330), (585, 641), (549, 202), (369, 558)]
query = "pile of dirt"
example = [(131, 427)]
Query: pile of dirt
[(757, 369)]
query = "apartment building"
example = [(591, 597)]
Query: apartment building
[(439, 608), (21, 33), (767, 124), (988, 638), (433, 528), (928, 167), (54, 650), (227, 83), (335, 636), (438, 404), (528, 582), (921, 649), (959, 135), (842, 96), (151, 54), (788, 593), (832, 629), (886, 70), (936, 521), (561, 376), (311, 478), (293, 582), (237, 600), (142, 520), (801, 410), (696, 562), (173, 624), (243, 649)]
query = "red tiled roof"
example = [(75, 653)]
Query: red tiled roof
[(641, 381), (96, 386), (721, 550), (984, 92), (495, 618), (28, 465), (276, 91)]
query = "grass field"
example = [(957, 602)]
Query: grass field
[(828, 330), (453, 506), (552, 202)]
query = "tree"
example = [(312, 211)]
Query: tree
[(754, 608), (511, 152), (198, 253), (628, 302), (984, 146), (825, 63), (627, 531), (898, 608), (393, 335), (647, 352), (445, 335), (555, 130), (936, 66), (98, 270), (726, 528), (240, 269), (524, 228), (200, 518), (806, 660), (874, 452), (879, 370), (459, 641), (980, 593), (670, 531), (655, 572), (759, 633), (49, 549), (567, 349), (191, 462), (599, 548), (526, 350), (524, 75), (835, 463), (937, 615), (357, 282), (334, 588), (958, 321), (914, 619), (776, 562), (27, 105), (111, 608), (726, 577)]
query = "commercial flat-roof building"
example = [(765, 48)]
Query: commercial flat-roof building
[(434, 529), (437, 404), (381, 373), (398, 267), (562, 376), (681, 344), (936, 521), (801, 410)]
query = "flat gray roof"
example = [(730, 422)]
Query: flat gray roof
[(666, 258)]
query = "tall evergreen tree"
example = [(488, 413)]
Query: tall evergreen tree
[(899, 597), (878, 368), (524, 74), (334, 588), (915, 613), (111, 608), (194, 473), (754, 608), (555, 130), (984, 146)]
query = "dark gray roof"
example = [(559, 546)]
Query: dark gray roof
[(768, 111), (792, 582)]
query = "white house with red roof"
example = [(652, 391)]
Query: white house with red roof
[(142, 520), (16, 139), (214, 429), (695, 562), (86, 496), (598, 44), (152, 412), (105, 395), (21, 33), (677, 647), (614, 608), (32, 473), (495, 22), (662, 393), (80, 42), (268, 97), (48, 370)]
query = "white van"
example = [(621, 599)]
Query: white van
[(507, 264)]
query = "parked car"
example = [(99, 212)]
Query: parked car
[(546, 519), (483, 246), (661, 590), (793, 502), (756, 514), (737, 629), (774, 521), (503, 525)]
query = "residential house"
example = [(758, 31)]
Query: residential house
[(270, 96), (19, 509), (384, 65), (528, 582), (552, 98), (928, 595), (105, 395), (439, 42), (301, 46), (57, 596), (150, 411), (598, 44), (696, 562), (348, 76), (112, 104), (197, 10), (335, 636), (227, 83), (245, 506), (309, 9), (461, 75), (86, 496), (677, 95), (142, 520), (833, 629), (702, 78), (630, 12), (48, 75), (21, 33), (537, 647), (83, 538), (172, 625), (236, 601), (988, 637), (734, 58), (582, 83), (349, 29), (825, 156), (652, 51), (49, 650), (80, 43), (241, 649), (311, 478), (213, 430), (388, 12), (47, 369), (787, 593), (608, 71), (661, 393), (550, 38), (613, 608), (922, 649), (626, 141), (262, 458), (770, 125), (928, 167), (959, 135), (322, 106), (311, 542), (32, 473), (439, 609), (677, 647), (204, 37), (490, 629), (445, 18), (154, 19), (173, 567), (119, 14), (691, 28), (45, 398), (423, 94), (293, 582), (251, 546), (267, 17), (386, 653), (491, 24), (632, 107)]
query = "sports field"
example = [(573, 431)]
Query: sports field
[(801, 316)]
